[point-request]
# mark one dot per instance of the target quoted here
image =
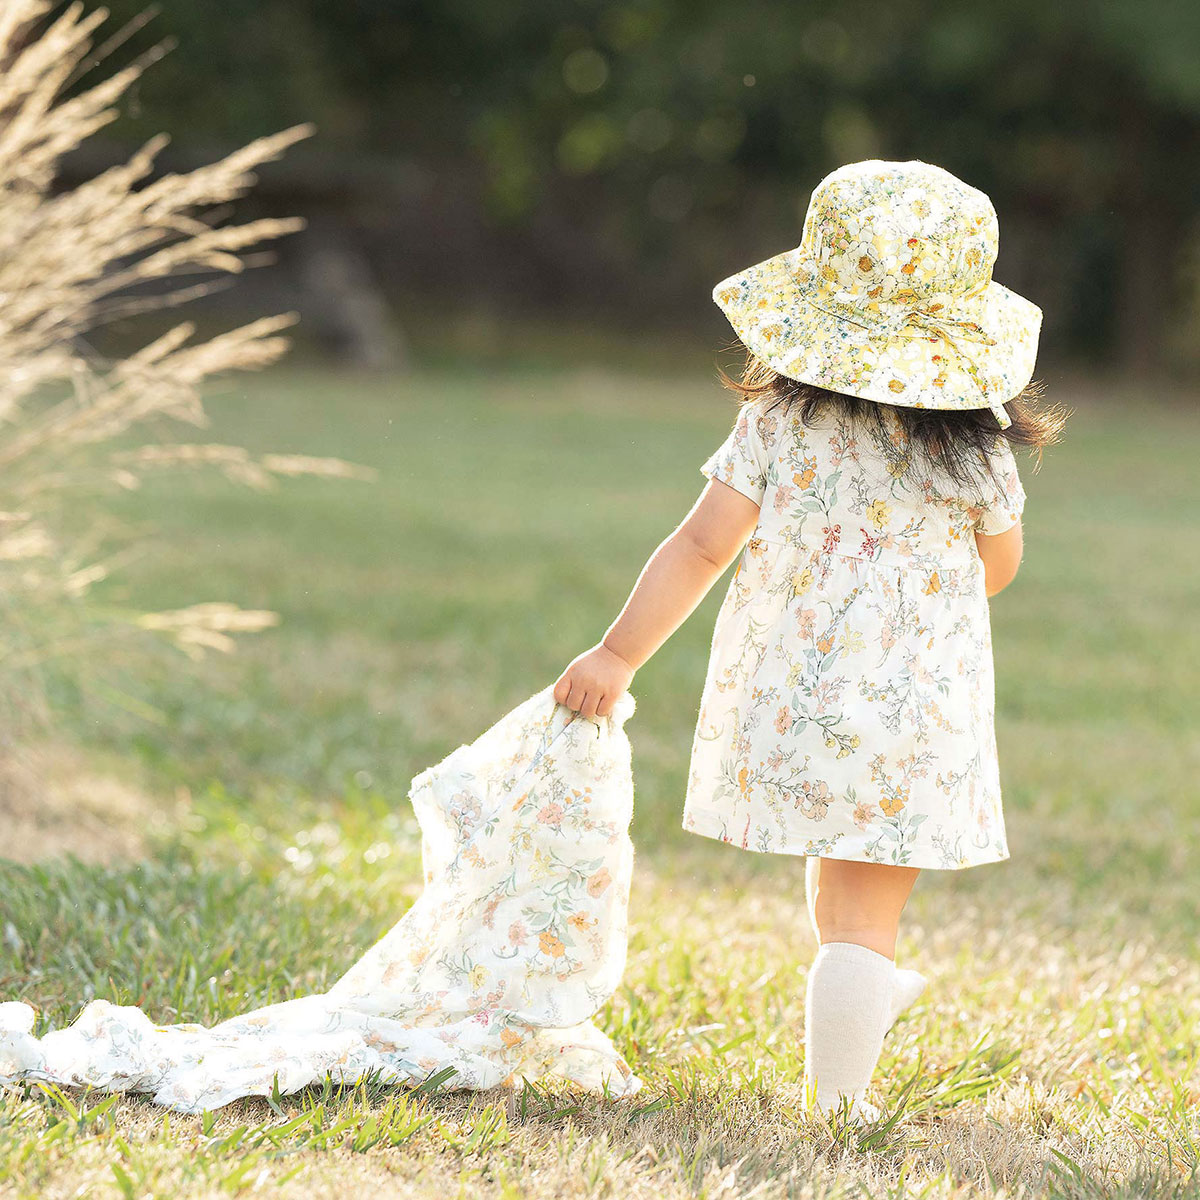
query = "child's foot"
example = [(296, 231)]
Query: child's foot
[(906, 987), (862, 1112)]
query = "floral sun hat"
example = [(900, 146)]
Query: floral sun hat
[(889, 295)]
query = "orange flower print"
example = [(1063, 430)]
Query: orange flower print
[(510, 1038), (825, 644), (551, 814), (862, 815), (806, 622), (934, 584), (895, 795), (804, 477), (743, 778), (378, 1042), (549, 944), (598, 882), (814, 799), (783, 720)]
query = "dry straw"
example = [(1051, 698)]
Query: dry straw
[(70, 261)]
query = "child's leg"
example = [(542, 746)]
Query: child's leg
[(906, 985), (858, 901), (855, 908)]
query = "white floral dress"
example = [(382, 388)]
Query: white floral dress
[(848, 706)]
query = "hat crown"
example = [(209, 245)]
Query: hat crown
[(895, 232)]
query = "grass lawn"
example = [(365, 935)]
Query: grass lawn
[(267, 838)]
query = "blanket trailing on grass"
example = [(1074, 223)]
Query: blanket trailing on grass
[(518, 938)]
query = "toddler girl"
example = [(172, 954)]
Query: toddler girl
[(870, 488)]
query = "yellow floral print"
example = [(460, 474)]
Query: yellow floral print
[(878, 513), (889, 294)]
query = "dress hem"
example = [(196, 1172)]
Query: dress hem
[(711, 828)]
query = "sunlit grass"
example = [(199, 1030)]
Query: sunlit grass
[(1057, 1048)]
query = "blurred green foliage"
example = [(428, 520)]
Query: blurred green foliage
[(695, 131)]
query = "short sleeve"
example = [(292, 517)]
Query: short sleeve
[(741, 461), (1003, 504)]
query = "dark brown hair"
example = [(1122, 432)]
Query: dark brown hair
[(955, 441)]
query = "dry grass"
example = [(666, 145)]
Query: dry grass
[(55, 800), (1000, 1107), (70, 261), (1055, 1052)]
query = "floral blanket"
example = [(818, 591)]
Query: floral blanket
[(517, 940)]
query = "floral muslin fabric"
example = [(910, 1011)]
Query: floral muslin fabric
[(518, 938), (848, 705)]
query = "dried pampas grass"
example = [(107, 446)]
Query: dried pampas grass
[(71, 261)]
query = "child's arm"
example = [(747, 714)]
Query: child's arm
[(674, 580), (1001, 554)]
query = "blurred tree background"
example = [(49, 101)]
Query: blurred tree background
[(606, 162)]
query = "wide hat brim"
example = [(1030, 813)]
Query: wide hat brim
[(949, 350)]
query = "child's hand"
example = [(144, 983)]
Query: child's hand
[(592, 682)]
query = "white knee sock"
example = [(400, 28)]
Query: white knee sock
[(906, 987), (847, 1012)]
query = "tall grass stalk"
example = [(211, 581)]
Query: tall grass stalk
[(72, 260)]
